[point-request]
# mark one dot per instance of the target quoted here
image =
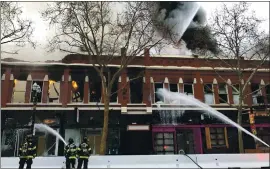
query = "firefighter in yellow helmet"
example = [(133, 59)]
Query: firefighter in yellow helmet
[(70, 154), (83, 151), (27, 153)]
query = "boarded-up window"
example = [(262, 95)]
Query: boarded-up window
[(19, 91), (54, 91)]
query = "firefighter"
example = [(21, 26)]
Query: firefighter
[(27, 153), (70, 154), (83, 152)]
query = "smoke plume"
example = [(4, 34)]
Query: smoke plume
[(188, 22)]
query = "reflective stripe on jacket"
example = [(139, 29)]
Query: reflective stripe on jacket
[(71, 151), (27, 150), (84, 151)]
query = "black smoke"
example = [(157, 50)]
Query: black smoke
[(197, 35)]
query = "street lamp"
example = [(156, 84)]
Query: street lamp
[(35, 91)]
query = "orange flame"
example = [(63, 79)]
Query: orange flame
[(51, 82), (15, 82), (74, 85)]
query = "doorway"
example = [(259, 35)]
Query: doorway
[(185, 141), (136, 143)]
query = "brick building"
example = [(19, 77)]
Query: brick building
[(71, 103)]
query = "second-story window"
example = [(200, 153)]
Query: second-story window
[(77, 90), (188, 89), (173, 87), (157, 97), (19, 90), (256, 93), (36, 94), (235, 92), (208, 94), (222, 93), (114, 95), (54, 91), (95, 88), (136, 90), (267, 91)]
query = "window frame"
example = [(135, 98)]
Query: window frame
[(192, 86), (13, 91), (163, 85), (32, 82), (226, 93), (48, 98), (211, 92), (163, 142)]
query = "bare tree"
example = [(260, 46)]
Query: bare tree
[(14, 29), (241, 46), (97, 29)]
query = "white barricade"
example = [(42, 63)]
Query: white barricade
[(153, 161)]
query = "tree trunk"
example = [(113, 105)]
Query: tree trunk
[(103, 144), (239, 121)]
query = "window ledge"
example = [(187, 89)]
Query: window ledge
[(135, 104)]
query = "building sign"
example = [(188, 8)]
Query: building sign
[(138, 128)]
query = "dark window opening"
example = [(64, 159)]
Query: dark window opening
[(157, 97), (113, 97), (95, 88), (267, 91), (255, 93), (173, 87), (36, 95), (188, 89), (136, 90), (222, 93), (217, 137)]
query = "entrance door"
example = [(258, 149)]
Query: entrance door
[(185, 141)]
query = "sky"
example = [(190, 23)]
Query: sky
[(42, 32)]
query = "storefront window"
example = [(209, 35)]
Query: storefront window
[(164, 143), (217, 137)]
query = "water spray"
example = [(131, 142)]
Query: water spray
[(46, 128), (167, 95)]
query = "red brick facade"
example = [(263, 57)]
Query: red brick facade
[(175, 70)]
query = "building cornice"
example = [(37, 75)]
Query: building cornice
[(35, 64)]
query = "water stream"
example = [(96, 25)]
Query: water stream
[(174, 97), (46, 128)]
